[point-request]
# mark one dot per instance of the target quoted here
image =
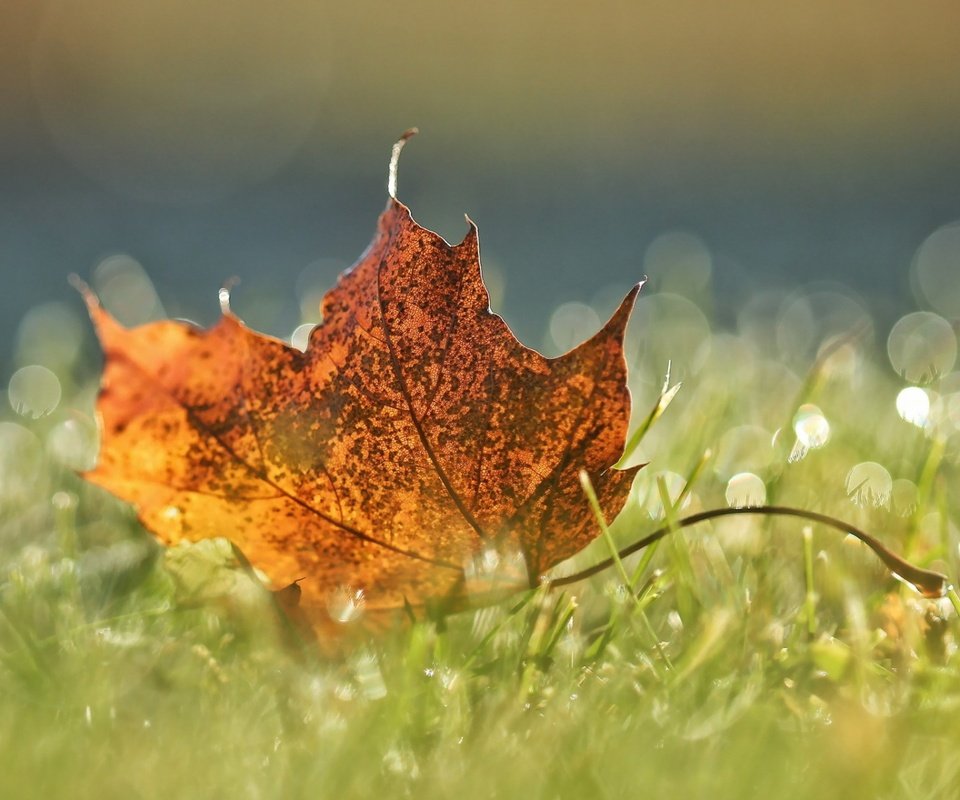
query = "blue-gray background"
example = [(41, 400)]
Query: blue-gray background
[(800, 143)]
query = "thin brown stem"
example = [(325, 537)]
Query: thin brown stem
[(927, 582)]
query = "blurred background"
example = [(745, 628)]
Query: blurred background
[(773, 164), (788, 176)]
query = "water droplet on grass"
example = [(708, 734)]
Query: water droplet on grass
[(811, 427), (869, 484), (63, 501), (746, 489), (913, 406), (812, 431)]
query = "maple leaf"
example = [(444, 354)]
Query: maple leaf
[(414, 434)]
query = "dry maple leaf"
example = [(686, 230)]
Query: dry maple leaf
[(413, 435)]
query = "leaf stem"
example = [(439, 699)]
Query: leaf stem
[(395, 160), (927, 582)]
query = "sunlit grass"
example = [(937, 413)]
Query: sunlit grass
[(748, 657)]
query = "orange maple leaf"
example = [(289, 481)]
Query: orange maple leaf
[(413, 435)]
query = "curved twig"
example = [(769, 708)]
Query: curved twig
[(927, 582)]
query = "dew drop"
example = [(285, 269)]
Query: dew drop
[(63, 501), (913, 406), (811, 427), (869, 484), (746, 489)]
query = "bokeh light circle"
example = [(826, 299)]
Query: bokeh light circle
[(904, 495), (21, 458), (807, 319), (937, 269), (745, 448), (869, 484), (922, 346), (50, 334), (34, 391), (73, 443), (126, 291), (572, 324), (913, 406), (744, 490), (666, 328), (811, 426), (678, 262), (647, 492)]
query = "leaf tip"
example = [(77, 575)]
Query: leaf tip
[(472, 236), (88, 295), (618, 322), (102, 321)]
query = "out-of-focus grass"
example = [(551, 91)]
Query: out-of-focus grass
[(127, 671)]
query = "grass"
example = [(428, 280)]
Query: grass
[(749, 657)]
